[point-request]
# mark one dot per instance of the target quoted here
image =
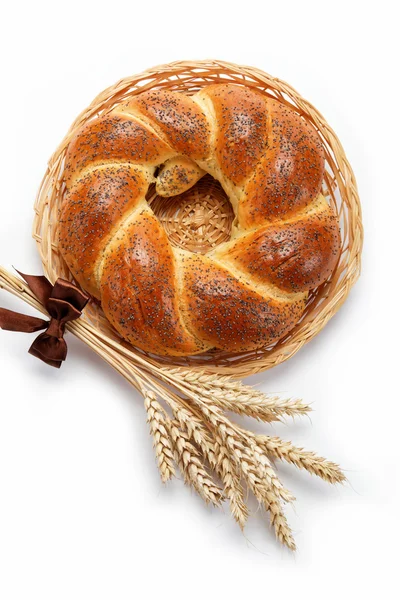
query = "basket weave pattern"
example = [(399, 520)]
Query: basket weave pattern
[(339, 188), (197, 220)]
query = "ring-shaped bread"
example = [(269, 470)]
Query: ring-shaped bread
[(242, 295)]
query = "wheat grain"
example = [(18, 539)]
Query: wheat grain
[(267, 493), (193, 471), (242, 444), (302, 459), (230, 394), (266, 471), (218, 458), (279, 522), (267, 490), (196, 431), (233, 489), (255, 404), (156, 418)]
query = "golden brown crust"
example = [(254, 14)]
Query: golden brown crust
[(178, 117), (111, 138), (229, 314), (139, 291), (241, 133), (295, 256), (290, 174), (249, 292), (92, 208)]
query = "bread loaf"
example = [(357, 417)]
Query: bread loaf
[(242, 295)]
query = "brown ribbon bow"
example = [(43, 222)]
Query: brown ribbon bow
[(63, 301)]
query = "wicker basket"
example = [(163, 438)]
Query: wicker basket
[(339, 187)]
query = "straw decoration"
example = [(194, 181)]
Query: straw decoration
[(186, 414)]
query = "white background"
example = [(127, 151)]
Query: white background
[(82, 511)]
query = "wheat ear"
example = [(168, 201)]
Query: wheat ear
[(157, 420), (302, 459), (191, 467), (230, 394), (218, 458), (229, 474)]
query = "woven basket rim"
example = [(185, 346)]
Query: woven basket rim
[(340, 188)]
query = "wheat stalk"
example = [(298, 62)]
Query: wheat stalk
[(199, 432)]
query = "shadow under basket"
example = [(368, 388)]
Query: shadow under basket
[(202, 217)]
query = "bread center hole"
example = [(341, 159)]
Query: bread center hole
[(197, 220)]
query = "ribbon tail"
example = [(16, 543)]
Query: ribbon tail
[(52, 363), (39, 285), (51, 350), (13, 321)]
